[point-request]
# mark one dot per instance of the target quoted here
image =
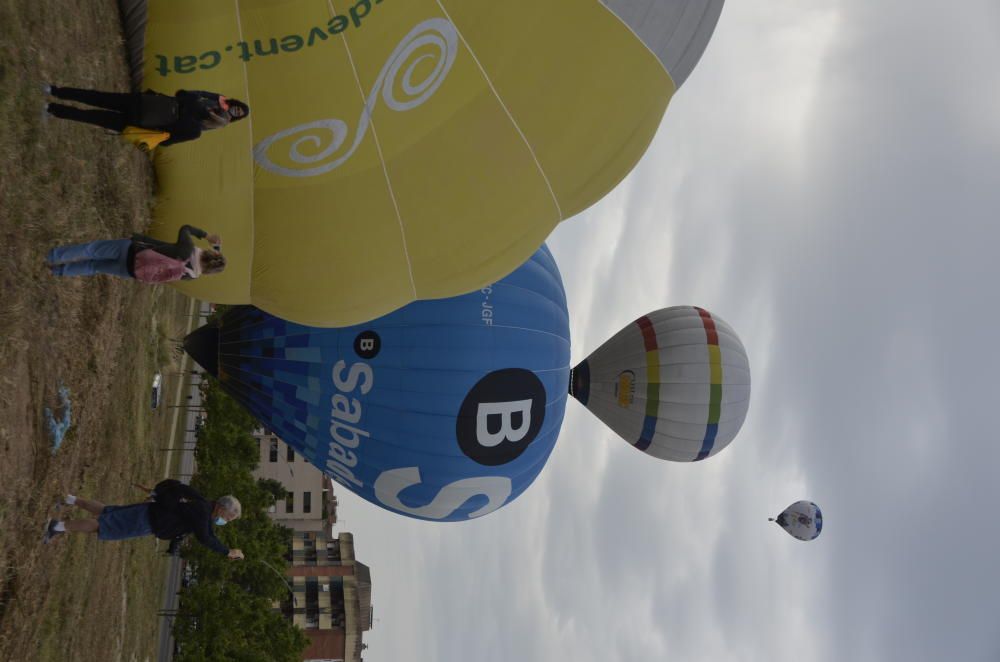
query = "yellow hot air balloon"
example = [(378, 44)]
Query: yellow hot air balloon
[(401, 150)]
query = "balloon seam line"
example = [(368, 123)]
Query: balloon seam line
[(381, 159), (641, 41), (253, 206), (506, 110)]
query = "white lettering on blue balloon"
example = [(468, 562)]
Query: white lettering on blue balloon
[(449, 498), (343, 412), (507, 431)]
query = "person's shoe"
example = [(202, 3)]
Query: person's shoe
[(46, 89), (50, 531)]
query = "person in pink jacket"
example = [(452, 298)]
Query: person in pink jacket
[(141, 258)]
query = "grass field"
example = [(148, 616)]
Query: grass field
[(77, 599)]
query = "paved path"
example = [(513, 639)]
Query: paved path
[(186, 399)]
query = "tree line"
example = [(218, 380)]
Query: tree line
[(226, 612)]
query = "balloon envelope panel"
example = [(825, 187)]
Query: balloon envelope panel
[(677, 32), (443, 410), (379, 129), (803, 520), (674, 384)]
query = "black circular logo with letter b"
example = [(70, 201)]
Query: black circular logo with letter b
[(367, 344), (500, 416)]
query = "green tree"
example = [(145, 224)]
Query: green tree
[(229, 612), (274, 488), (219, 622)]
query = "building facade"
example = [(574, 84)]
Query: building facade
[(331, 590), (332, 595), (311, 504)]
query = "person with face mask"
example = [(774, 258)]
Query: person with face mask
[(173, 510), (183, 116)]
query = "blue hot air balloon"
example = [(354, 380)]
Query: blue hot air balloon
[(442, 410), (447, 409)]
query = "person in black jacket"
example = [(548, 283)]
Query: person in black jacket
[(173, 510), (184, 116), (128, 258)]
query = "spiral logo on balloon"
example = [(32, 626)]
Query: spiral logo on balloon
[(437, 33)]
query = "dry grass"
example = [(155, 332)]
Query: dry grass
[(103, 338)]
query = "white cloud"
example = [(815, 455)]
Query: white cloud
[(826, 182)]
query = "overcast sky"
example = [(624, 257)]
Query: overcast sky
[(828, 182)]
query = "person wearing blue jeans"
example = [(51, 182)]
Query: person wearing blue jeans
[(104, 256), (139, 256), (172, 511)]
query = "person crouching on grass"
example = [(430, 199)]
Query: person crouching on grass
[(172, 511), (143, 258)]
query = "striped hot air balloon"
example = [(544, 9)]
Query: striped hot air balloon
[(675, 383)]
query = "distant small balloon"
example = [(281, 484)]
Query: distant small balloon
[(803, 520)]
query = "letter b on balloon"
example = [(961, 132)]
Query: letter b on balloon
[(500, 416), (506, 412)]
